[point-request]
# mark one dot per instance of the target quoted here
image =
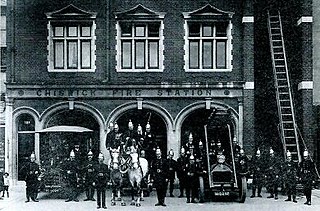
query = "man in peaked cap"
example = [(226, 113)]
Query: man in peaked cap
[(72, 174), (257, 171), (307, 175), (172, 165), (89, 177), (102, 178), (290, 177), (32, 175)]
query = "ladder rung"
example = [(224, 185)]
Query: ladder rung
[(279, 59), (282, 86), (276, 40), (285, 100), (280, 66), (286, 114), (289, 137), (287, 121), (291, 145), (275, 28)]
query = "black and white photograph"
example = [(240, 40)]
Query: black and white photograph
[(159, 105)]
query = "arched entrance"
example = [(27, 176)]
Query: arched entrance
[(142, 117), (26, 141), (56, 146)]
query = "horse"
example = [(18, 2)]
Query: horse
[(138, 169), (115, 176)]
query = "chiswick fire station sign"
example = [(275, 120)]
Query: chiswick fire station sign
[(162, 91)]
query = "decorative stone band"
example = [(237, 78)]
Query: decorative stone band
[(305, 85), (249, 85), (305, 19), (248, 19)]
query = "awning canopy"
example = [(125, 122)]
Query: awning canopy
[(65, 128)]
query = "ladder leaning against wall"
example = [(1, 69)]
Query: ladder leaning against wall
[(287, 123)]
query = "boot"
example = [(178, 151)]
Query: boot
[(271, 196), (288, 199), (294, 199)]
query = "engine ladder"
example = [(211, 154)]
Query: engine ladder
[(287, 125)]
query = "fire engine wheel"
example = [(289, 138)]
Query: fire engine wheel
[(201, 189), (243, 190)]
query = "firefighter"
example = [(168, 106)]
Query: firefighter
[(129, 136), (89, 177), (290, 177), (149, 144), (139, 137), (102, 178), (257, 174), (172, 165), (159, 177), (192, 180), (32, 179), (273, 175), (181, 171), (306, 175), (72, 176), (111, 137), (242, 166), (189, 146)]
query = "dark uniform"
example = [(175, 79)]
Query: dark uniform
[(89, 178), (102, 178), (192, 180), (290, 179), (257, 171), (159, 175), (172, 165), (181, 172), (306, 175), (72, 175), (149, 146), (111, 140), (273, 176), (32, 173)]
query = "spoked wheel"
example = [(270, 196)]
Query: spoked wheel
[(242, 190), (201, 189)]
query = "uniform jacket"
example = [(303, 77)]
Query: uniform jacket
[(102, 175), (89, 171), (159, 171), (181, 166), (72, 172), (172, 165), (32, 173), (306, 172), (290, 171)]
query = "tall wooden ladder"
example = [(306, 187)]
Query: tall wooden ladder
[(287, 124)]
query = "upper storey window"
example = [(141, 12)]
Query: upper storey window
[(139, 40), (71, 40), (208, 40)]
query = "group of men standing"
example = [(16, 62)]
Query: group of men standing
[(275, 174)]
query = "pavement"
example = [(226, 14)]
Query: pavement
[(17, 197)]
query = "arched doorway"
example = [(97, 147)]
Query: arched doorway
[(55, 147), (26, 141), (142, 117)]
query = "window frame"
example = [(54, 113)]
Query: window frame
[(67, 17), (140, 16), (214, 39)]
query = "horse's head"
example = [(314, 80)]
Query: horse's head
[(115, 158)]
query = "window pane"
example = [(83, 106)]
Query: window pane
[(194, 30), (72, 54), (207, 31), (153, 30), (221, 30), (58, 31), (126, 54), (221, 54), (126, 30), (153, 55), (72, 31), (85, 54), (86, 31), (140, 54), (58, 55), (194, 54), (207, 54), (140, 31)]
